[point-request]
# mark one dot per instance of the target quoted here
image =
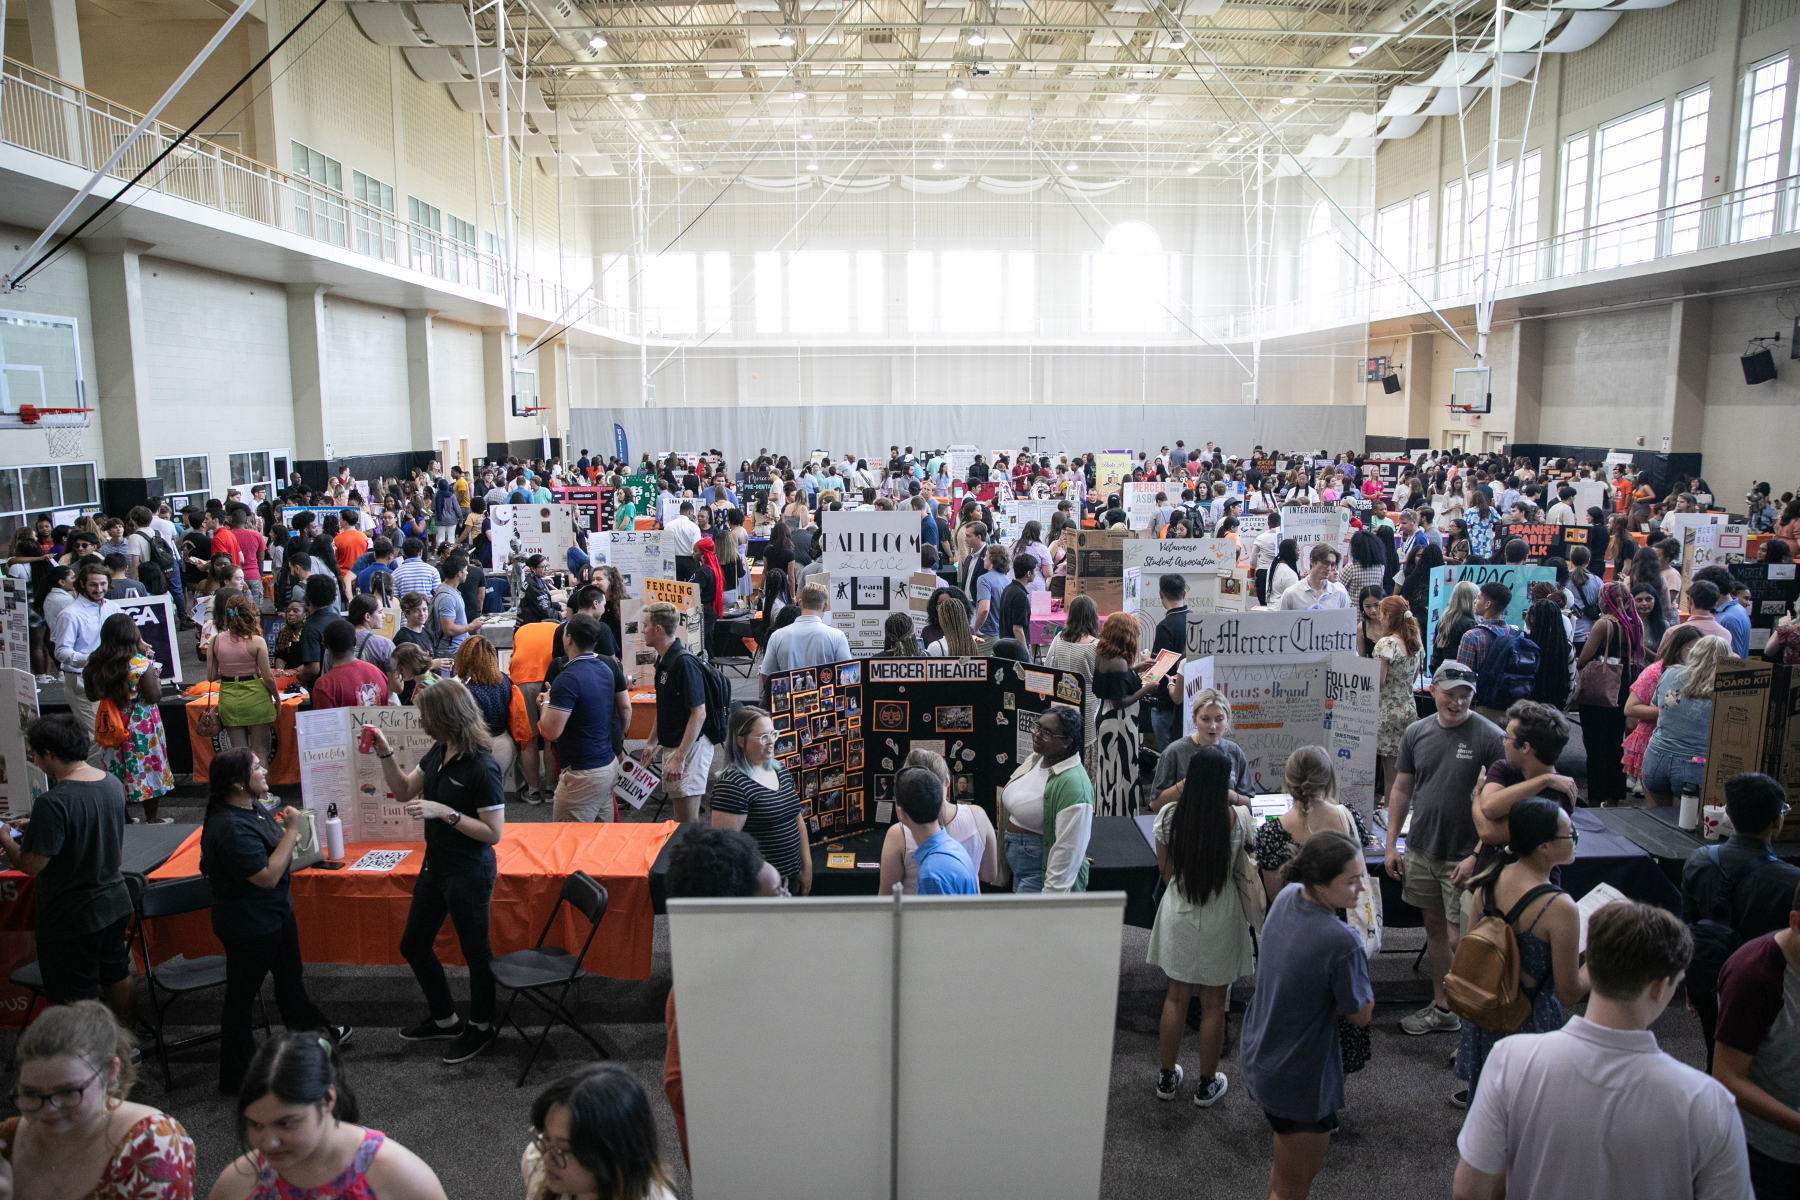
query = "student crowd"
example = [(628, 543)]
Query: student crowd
[(1558, 1105)]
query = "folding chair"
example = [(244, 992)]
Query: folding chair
[(744, 665), (178, 976), (31, 975), (536, 972)]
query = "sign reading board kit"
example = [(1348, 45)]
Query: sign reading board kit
[(844, 730), (1740, 719)]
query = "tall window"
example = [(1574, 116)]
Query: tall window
[(1403, 233), (1321, 257), (818, 291), (1453, 243), (252, 467), (319, 203), (1572, 219), (27, 493), (423, 239), (185, 480), (671, 293), (1759, 149), (1627, 181), (374, 231), (716, 270), (970, 291), (463, 265), (1522, 267), (1130, 285), (1687, 170)]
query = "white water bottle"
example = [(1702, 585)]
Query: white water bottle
[(334, 835), (1690, 807)]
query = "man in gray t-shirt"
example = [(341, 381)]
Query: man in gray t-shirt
[(448, 609), (1441, 761)]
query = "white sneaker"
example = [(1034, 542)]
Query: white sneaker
[(1431, 1019), (1212, 1091), (1168, 1083)]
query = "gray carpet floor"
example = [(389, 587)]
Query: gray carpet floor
[(470, 1122)]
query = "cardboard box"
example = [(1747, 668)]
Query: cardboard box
[(1097, 568), (1737, 740)]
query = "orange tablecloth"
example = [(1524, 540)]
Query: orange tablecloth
[(643, 523), (356, 917), (643, 714), (285, 748)]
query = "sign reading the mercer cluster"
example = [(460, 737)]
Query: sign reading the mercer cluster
[(1271, 636)]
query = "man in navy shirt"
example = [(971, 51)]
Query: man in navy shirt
[(577, 715)]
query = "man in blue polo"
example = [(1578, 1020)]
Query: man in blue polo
[(944, 866)]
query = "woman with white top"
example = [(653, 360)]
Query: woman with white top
[(1284, 573), (966, 824), (1048, 809)]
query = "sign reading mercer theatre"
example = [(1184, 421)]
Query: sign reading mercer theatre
[(1271, 636)]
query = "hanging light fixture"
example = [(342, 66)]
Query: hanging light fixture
[(960, 92), (1287, 99), (796, 95), (1359, 49), (1133, 96), (598, 41), (812, 166), (976, 37), (937, 166), (638, 96), (785, 38), (1073, 167)]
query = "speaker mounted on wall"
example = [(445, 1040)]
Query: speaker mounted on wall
[(1759, 367), (1390, 384)]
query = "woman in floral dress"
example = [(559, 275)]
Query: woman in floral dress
[(122, 670), (1398, 653)]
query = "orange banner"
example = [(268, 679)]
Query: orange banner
[(356, 917)]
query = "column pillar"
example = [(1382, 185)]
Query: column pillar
[(1527, 356), (122, 370), (56, 39), (1683, 411), (421, 383), (496, 388), (1416, 384), (310, 380)]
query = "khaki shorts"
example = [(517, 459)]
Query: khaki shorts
[(695, 769), (1427, 886), (529, 693), (586, 795)]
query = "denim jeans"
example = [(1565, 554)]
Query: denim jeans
[(1166, 722), (462, 896), (1667, 774), (1025, 855), (248, 961)]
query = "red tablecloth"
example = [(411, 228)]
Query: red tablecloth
[(357, 916)]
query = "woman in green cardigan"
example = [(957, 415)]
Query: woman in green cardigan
[(1047, 809)]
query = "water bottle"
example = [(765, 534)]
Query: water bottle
[(334, 834), (1690, 806)]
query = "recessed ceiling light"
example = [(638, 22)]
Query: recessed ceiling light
[(1094, 137), (1073, 167), (977, 38), (796, 95), (1132, 97), (1287, 99), (807, 136), (960, 92), (1234, 139), (812, 166), (638, 96), (937, 166), (784, 39), (597, 42), (1359, 49)]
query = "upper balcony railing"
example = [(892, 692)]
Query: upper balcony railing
[(1748, 214), (40, 113)]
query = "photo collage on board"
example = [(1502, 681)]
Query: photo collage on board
[(818, 715)]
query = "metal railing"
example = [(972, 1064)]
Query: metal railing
[(1731, 218), (41, 113)]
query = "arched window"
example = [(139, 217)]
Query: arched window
[(1320, 262), (1130, 285)]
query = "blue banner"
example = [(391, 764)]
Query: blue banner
[(619, 444)]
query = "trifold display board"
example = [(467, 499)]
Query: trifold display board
[(20, 782), (1294, 679), (1209, 565), (593, 506), (547, 529), (638, 556), (844, 729), (334, 771), (1773, 589), (919, 1004), (1518, 580)]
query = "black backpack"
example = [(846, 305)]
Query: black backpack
[(1714, 938), (160, 553), (1508, 672), (718, 703)]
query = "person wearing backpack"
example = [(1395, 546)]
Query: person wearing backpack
[(1503, 658), (1736, 891), (681, 712), (1516, 965), (1615, 643)]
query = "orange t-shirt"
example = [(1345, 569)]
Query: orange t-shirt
[(531, 651), (350, 544), (1621, 495)]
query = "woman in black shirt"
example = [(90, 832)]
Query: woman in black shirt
[(456, 791), (245, 853), (757, 795)]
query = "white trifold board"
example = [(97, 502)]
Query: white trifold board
[(786, 1011)]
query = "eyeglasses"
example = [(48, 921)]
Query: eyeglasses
[(1573, 836), (30, 1101), (555, 1155)]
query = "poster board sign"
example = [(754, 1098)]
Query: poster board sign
[(1313, 524), (870, 558), (1740, 717), (1707, 545), (1139, 500), (155, 617), (15, 624), (593, 507), (958, 460), (1131, 590), (1541, 541), (1590, 493), (637, 554), (20, 782), (1111, 468), (1015, 514), (332, 771), (1197, 560), (685, 596), (1518, 580), (1773, 589), (547, 529), (1677, 524), (1196, 677)]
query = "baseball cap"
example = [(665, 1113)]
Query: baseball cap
[(1453, 674)]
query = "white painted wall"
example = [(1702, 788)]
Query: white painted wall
[(61, 290), (459, 410), (365, 361)]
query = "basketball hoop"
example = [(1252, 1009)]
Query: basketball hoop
[(31, 414), (65, 440)]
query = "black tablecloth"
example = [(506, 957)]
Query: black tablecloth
[(147, 847), (1118, 861)]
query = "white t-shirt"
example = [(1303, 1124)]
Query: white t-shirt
[(1589, 1111)]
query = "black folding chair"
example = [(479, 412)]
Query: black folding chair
[(179, 976), (536, 972)]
